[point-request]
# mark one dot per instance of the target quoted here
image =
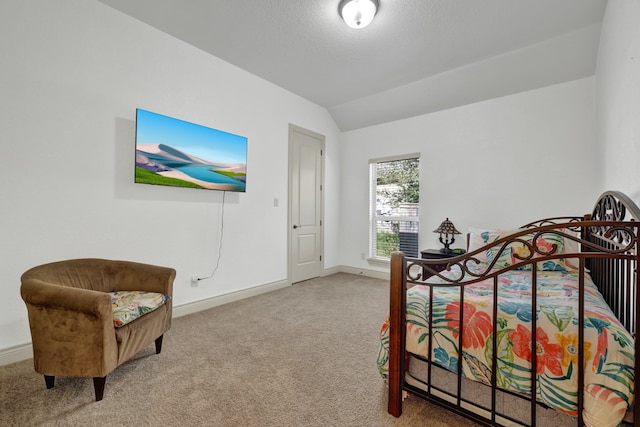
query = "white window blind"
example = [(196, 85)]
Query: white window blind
[(394, 206)]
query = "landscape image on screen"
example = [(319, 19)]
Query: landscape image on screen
[(181, 154)]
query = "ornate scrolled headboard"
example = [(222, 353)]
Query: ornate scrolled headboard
[(615, 206), (615, 277)]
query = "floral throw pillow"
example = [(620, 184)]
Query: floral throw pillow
[(129, 305), (517, 251)]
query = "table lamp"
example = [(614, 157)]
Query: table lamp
[(447, 233)]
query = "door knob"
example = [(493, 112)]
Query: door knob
[(295, 226)]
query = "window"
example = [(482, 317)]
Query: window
[(394, 206)]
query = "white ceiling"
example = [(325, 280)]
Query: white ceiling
[(416, 57)]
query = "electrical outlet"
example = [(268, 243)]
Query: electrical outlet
[(194, 281)]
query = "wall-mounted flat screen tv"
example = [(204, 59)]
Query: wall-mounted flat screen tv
[(181, 154)]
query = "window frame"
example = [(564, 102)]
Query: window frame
[(373, 258)]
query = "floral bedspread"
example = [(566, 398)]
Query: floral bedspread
[(608, 346)]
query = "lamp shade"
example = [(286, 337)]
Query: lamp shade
[(358, 13), (447, 228)]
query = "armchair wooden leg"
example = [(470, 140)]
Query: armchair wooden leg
[(49, 380), (98, 386), (159, 344)]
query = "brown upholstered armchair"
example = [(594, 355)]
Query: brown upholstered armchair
[(71, 315)]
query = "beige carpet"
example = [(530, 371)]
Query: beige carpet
[(300, 356)]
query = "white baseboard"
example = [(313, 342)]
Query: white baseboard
[(331, 270), (16, 354), (25, 351), (194, 307), (384, 275)]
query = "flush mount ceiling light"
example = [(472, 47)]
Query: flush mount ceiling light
[(358, 13)]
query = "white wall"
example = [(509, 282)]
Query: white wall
[(618, 96), (73, 72), (498, 163)]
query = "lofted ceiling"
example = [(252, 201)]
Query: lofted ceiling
[(416, 57)]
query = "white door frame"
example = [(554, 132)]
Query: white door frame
[(290, 254)]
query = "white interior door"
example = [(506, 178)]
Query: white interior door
[(306, 151)]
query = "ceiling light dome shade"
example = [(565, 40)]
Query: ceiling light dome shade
[(358, 13)]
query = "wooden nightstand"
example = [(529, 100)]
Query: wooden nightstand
[(436, 254)]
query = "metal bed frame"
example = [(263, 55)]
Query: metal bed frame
[(608, 242)]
